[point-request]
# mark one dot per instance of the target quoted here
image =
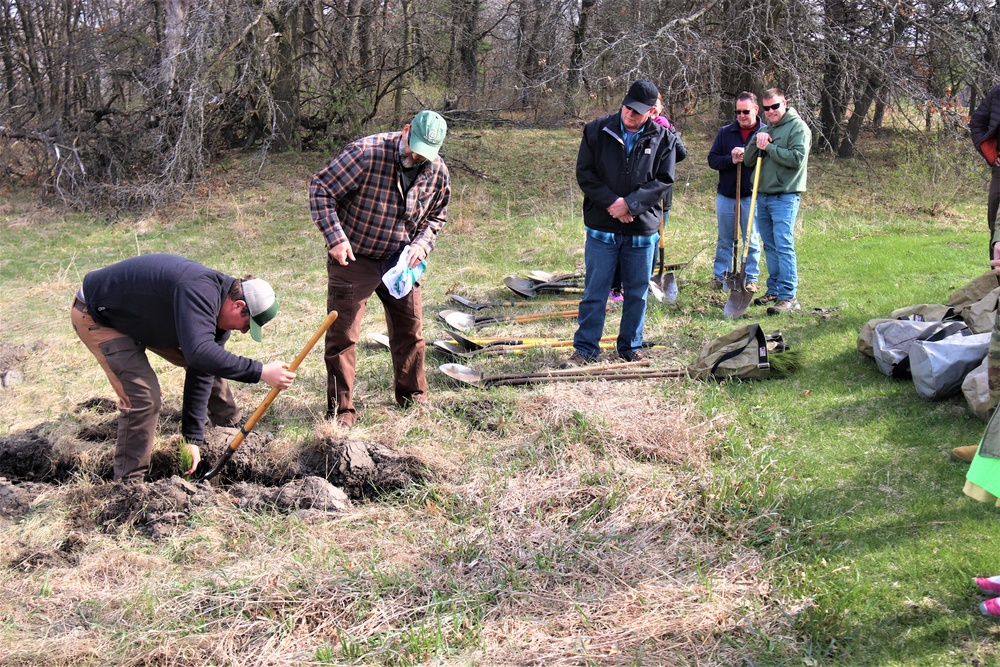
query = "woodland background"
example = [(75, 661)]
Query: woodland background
[(123, 105)]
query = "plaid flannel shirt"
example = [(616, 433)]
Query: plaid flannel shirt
[(359, 197)]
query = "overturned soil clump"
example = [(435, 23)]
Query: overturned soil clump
[(322, 476)]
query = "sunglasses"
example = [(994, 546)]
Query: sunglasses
[(635, 112), (771, 107), (743, 112)]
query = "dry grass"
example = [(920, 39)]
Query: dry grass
[(580, 535)]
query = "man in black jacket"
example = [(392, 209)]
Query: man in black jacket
[(183, 312), (623, 168), (983, 127)]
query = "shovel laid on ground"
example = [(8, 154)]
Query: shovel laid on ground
[(546, 277), (739, 298), (529, 289), (467, 322), (479, 343), (612, 372), (458, 350), (663, 285), (266, 403), (468, 303)]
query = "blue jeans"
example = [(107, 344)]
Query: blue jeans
[(604, 252), (725, 212), (775, 218)]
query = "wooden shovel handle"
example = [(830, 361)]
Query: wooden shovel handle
[(271, 395)]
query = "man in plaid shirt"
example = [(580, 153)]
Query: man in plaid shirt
[(382, 193)]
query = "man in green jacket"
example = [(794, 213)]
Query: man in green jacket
[(784, 145)]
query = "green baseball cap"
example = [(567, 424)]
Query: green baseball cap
[(427, 130), (261, 303)]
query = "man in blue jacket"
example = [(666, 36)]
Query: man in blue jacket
[(184, 312), (625, 163), (725, 156)]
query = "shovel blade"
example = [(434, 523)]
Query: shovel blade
[(460, 321), (739, 301), (462, 373), (521, 286), (667, 284)]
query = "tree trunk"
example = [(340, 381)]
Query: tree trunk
[(285, 83)]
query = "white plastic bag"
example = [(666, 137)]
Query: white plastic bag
[(400, 278), (893, 339), (939, 367)]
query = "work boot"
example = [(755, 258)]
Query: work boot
[(575, 360), (764, 300), (716, 284), (633, 355), (966, 454), (344, 419), (751, 286), (784, 306)]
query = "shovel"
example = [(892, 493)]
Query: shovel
[(739, 297), (468, 303), (458, 350), (266, 403), (529, 289), (472, 344), (546, 277), (624, 371), (467, 322), (664, 285)]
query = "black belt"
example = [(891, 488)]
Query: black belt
[(79, 303)]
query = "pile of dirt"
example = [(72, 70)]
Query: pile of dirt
[(323, 476)]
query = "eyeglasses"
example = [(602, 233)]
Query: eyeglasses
[(771, 107), (743, 112)]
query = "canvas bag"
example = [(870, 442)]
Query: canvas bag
[(939, 367), (981, 314), (742, 353), (921, 312), (976, 388), (893, 339), (973, 292)]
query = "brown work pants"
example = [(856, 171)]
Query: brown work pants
[(124, 361), (348, 290)]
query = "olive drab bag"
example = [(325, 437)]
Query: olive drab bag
[(743, 353)]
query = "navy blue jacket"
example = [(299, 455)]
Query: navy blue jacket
[(720, 158), (605, 173), (168, 301)]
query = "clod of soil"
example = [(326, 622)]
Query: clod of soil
[(323, 476)]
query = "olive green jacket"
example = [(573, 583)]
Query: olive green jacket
[(783, 169)]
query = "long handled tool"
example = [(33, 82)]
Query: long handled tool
[(529, 289), (546, 277), (739, 297), (479, 343), (467, 322), (468, 303), (612, 372), (266, 403), (457, 350), (665, 282), (730, 278)]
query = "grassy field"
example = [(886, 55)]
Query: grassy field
[(810, 520)]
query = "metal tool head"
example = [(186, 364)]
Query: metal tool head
[(462, 373)]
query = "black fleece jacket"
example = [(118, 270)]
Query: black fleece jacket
[(168, 301)]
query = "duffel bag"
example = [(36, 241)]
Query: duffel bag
[(938, 367)]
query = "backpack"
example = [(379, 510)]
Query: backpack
[(893, 339), (745, 352)]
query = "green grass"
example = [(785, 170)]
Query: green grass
[(547, 515)]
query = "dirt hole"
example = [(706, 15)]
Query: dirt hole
[(72, 459)]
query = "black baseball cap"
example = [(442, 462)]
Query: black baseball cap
[(641, 96)]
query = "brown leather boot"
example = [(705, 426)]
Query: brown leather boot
[(963, 453)]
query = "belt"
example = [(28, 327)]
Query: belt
[(79, 303)]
